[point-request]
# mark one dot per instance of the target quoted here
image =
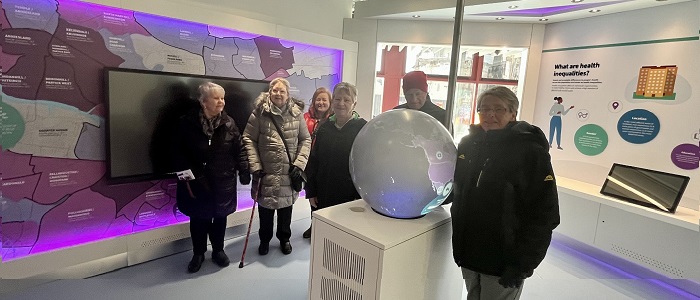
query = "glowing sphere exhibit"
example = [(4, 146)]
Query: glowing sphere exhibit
[(402, 163)]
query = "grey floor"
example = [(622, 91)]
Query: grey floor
[(566, 273)]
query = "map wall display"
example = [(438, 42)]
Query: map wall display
[(54, 192), (634, 102)]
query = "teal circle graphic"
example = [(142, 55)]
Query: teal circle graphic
[(591, 139), (11, 126)]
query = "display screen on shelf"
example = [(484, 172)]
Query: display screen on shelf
[(655, 189)]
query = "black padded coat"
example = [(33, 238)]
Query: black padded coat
[(504, 202), (328, 170), (214, 164)]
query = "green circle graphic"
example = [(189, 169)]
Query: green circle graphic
[(11, 126), (591, 139)]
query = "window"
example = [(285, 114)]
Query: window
[(502, 65), (479, 68), (378, 96)]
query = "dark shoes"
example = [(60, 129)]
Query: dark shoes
[(307, 233), (196, 263), (264, 248), (286, 248), (220, 259)]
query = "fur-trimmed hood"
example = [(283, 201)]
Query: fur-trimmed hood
[(264, 104)]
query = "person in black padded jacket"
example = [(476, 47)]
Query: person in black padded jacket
[(504, 202), (209, 144), (328, 171)]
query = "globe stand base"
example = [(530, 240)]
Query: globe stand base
[(418, 217)]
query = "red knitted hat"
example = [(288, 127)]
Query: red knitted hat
[(415, 80)]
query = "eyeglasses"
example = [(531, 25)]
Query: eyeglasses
[(499, 111)]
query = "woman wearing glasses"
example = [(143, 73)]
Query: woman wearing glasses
[(505, 204)]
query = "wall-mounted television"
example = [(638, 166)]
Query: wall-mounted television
[(650, 188), (142, 112)]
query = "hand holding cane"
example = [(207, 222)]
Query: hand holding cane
[(250, 223)]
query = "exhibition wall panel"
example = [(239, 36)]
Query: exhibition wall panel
[(607, 114), (54, 193), (599, 67), (251, 15)]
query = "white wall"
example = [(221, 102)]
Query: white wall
[(661, 22), (369, 32), (318, 16), (622, 43)]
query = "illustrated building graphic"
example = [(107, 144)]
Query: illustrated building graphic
[(656, 81)]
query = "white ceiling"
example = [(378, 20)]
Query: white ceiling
[(474, 10)]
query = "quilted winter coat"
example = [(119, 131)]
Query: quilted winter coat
[(267, 152), (214, 163)]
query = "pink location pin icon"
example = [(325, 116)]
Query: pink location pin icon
[(615, 105)]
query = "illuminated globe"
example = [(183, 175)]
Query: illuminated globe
[(402, 163)]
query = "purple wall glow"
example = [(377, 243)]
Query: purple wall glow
[(54, 190)]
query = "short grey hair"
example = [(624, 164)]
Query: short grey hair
[(346, 87), (503, 93), (279, 80), (205, 88)]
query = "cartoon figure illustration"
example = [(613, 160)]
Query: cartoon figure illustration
[(556, 112)]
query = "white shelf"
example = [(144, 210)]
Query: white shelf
[(666, 243), (683, 217)]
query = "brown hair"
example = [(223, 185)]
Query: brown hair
[(348, 88), (312, 107)]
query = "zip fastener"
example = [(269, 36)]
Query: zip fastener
[(205, 163), (478, 180)]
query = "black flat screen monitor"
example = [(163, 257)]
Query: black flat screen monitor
[(654, 189), (143, 108)]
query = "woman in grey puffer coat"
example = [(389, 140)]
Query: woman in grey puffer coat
[(268, 160)]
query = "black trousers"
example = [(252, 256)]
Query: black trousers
[(284, 222), (199, 229)]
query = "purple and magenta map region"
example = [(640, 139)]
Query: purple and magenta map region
[(52, 156)]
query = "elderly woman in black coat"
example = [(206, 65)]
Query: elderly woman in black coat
[(328, 170), (504, 202), (209, 144)]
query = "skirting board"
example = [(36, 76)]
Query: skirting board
[(100, 257)]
